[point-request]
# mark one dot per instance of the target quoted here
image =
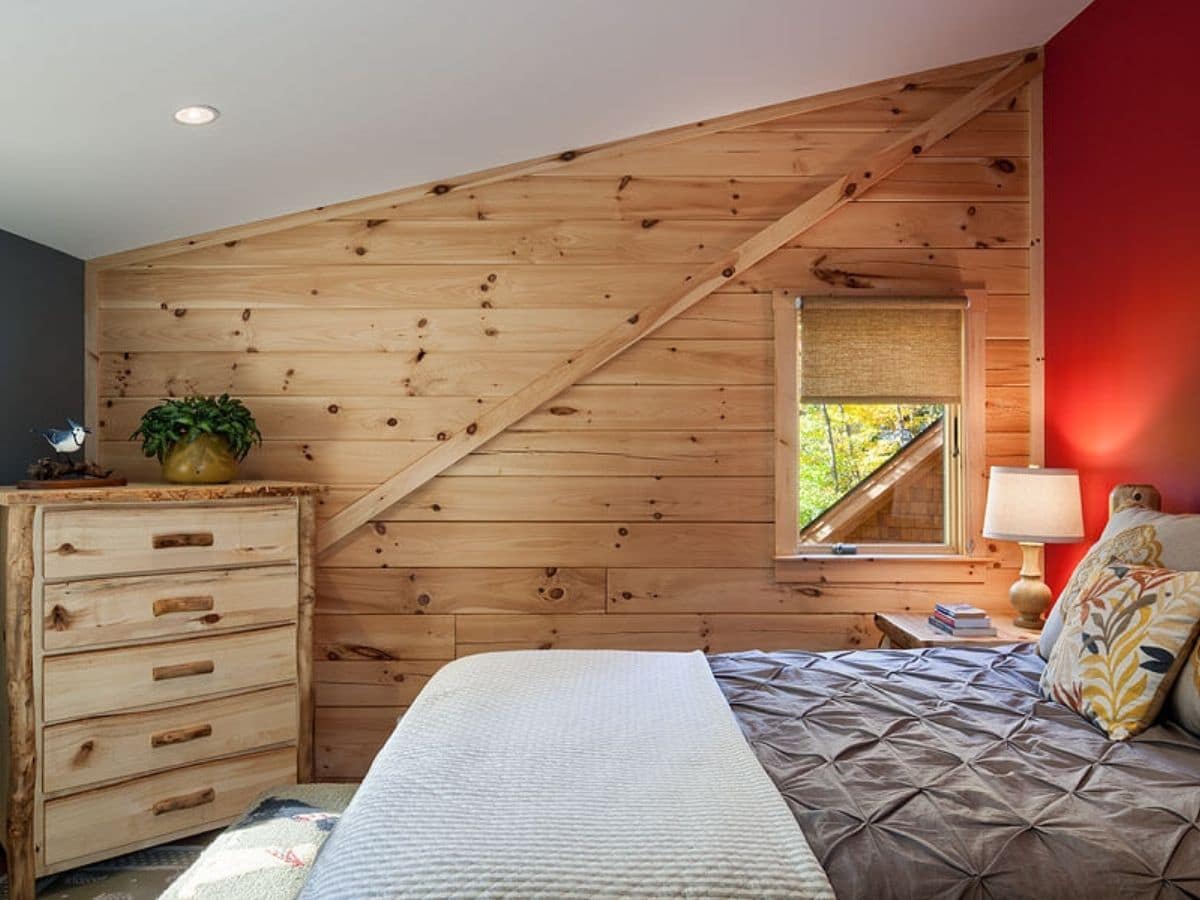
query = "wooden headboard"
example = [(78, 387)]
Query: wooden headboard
[(1125, 495)]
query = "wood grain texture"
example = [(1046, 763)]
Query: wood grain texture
[(461, 591), (437, 374), (306, 592), (514, 544), (20, 726), (110, 748), (867, 169)]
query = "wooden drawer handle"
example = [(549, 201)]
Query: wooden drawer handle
[(183, 539), (185, 801), (180, 735), (183, 670), (166, 605)]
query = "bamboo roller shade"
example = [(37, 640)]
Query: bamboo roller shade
[(885, 351)]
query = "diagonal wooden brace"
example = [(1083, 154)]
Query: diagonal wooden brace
[(578, 365)]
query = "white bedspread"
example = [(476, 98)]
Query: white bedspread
[(568, 774)]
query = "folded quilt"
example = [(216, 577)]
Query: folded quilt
[(568, 774)]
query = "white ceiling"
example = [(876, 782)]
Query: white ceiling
[(325, 101)]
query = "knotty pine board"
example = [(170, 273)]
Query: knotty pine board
[(407, 320), (436, 374), (541, 197), (590, 241), (887, 270), (462, 590), (801, 151)]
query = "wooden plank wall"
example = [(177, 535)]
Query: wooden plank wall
[(633, 511)]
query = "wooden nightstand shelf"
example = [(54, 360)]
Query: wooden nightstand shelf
[(909, 631)]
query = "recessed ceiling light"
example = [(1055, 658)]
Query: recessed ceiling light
[(196, 115)]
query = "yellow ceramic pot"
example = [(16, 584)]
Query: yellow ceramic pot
[(206, 460)]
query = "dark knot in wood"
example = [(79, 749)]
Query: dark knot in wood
[(624, 183), (365, 652), (567, 155), (1007, 166), (472, 428), (440, 189), (563, 410), (850, 189), (917, 148), (728, 271), (633, 320), (360, 251), (839, 277), (650, 223), (60, 619), (1031, 56)]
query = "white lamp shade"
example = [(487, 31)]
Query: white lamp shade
[(1036, 506)]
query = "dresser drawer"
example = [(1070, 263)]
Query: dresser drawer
[(112, 610), (76, 754), (80, 543), (182, 800), (95, 682)]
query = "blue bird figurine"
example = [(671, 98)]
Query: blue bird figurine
[(66, 441)]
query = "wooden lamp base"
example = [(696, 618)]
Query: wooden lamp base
[(1029, 595)]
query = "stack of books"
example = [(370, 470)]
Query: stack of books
[(962, 620)]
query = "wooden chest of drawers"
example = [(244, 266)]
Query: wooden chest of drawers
[(157, 662)]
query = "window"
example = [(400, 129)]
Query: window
[(879, 425)]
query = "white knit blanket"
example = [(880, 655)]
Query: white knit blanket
[(575, 774)]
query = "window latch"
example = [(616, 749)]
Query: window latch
[(844, 549)]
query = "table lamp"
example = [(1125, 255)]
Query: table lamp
[(1033, 507)]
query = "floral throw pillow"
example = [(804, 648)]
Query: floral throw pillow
[(1125, 638), (1136, 545)]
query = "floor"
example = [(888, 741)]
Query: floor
[(141, 875)]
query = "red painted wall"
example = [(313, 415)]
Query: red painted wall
[(1122, 149)]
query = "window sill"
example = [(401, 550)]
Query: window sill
[(827, 568)]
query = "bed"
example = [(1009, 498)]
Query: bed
[(942, 773), (939, 773)]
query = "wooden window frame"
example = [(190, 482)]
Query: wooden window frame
[(966, 493)]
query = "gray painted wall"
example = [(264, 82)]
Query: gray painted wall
[(41, 348)]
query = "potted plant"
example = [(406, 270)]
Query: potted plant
[(198, 440)]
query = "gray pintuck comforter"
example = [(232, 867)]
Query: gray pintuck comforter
[(944, 774)]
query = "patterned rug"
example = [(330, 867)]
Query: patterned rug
[(142, 875)]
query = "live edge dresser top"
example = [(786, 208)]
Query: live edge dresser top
[(157, 663)]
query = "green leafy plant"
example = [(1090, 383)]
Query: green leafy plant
[(182, 421)]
